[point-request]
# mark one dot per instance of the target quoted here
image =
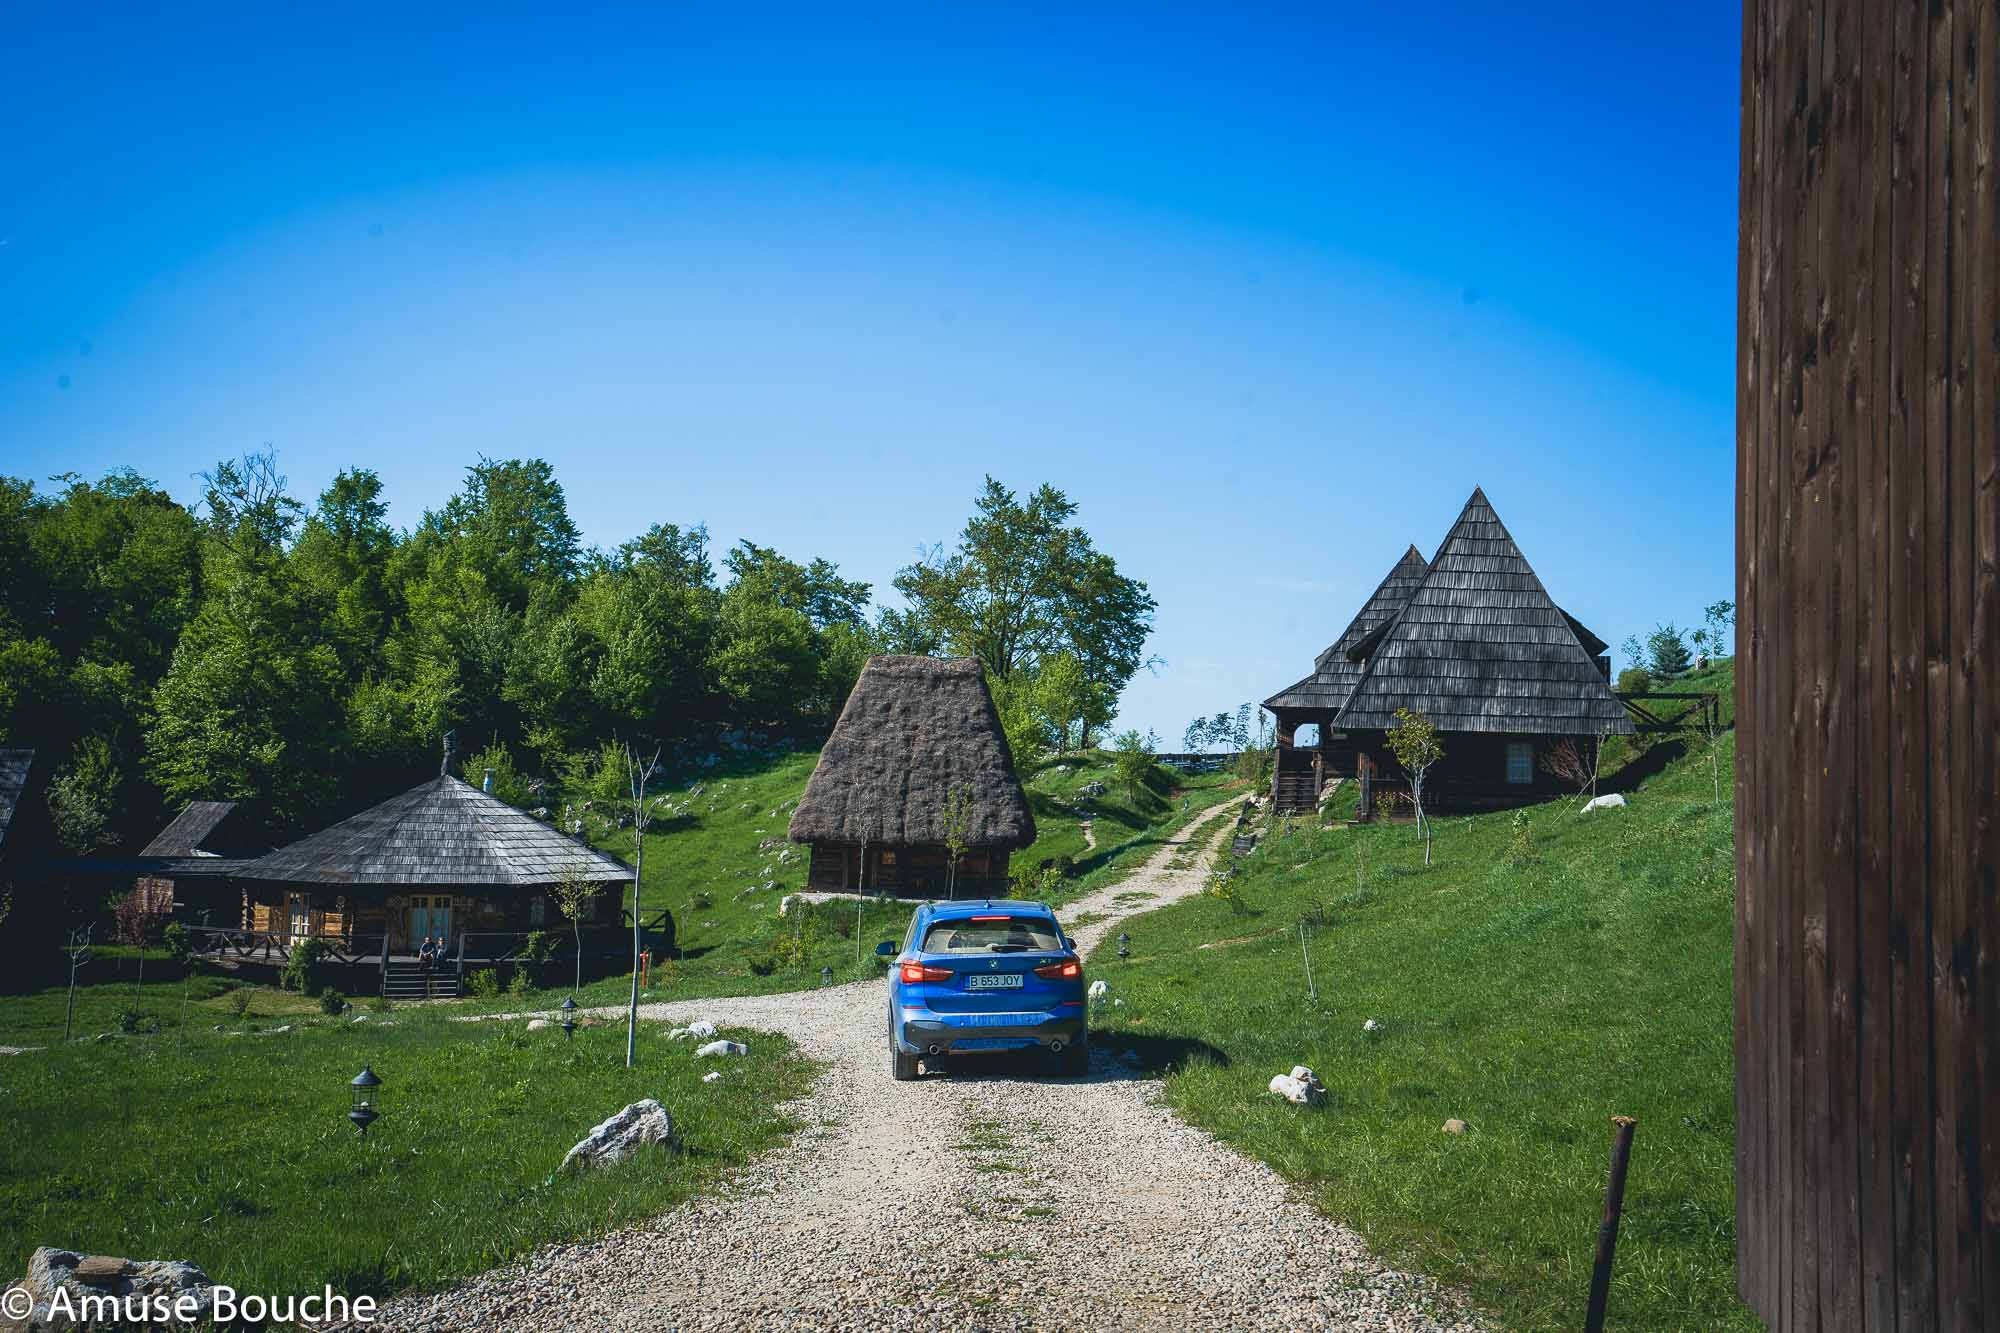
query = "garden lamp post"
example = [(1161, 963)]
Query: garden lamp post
[(569, 1017), (1124, 945), (363, 1088), (826, 976)]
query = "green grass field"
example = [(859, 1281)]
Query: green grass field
[(1532, 987), (235, 1152)]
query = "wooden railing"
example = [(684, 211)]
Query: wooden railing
[(263, 946), (1706, 713)]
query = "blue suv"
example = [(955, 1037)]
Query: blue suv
[(985, 976)]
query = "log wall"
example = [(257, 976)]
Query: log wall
[(1868, 938)]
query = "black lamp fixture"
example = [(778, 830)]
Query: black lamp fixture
[(826, 976), (363, 1087), (1124, 945), (569, 1017)]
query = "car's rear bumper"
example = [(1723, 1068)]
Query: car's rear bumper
[(947, 1032)]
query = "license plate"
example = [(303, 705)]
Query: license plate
[(994, 981)]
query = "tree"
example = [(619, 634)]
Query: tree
[(1025, 584), (78, 952), (1415, 742), (1721, 618), (637, 776), (1196, 736), (1062, 696), (83, 797), (1667, 652), (574, 897), (957, 829), (511, 524), (1575, 762), (1131, 762)]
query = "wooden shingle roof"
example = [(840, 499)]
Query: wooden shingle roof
[(1335, 672), (196, 831), (1479, 646), (915, 729), (442, 832)]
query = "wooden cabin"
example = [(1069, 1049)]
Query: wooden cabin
[(203, 831), (442, 859), (1471, 640), (917, 735)]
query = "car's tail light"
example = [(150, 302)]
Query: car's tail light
[(914, 972), (1069, 969)]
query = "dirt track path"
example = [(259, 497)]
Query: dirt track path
[(990, 1196)]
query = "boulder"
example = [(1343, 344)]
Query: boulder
[(616, 1139), (1615, 801), (1301, 1087), (721, 1048), (100, 1275), (785, 903), (537, 1024), (1455, 1126)]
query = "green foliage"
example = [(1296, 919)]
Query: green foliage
[(239, 1003), (1521, 845), (1132, 760), (83, 796), (132, 1022), (332, 1002), (1667, 652), (483, 984), (539, 946), (301, 970), (1635, 680), (520, 983), (175, 937), (509, 784)]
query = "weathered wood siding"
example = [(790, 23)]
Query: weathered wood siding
[(1868, 936)]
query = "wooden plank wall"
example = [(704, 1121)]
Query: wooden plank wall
[(1868, 933)]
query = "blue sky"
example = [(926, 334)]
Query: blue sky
[(1266, 291)]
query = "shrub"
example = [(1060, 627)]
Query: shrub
[(1521, 846), (380, 1003), (701, 902), (332, 1002), (176, 939), (518, 984), (539, 947), (239, 1002), (131, 1021), (483, 984), (301, 969), (1635, 680)]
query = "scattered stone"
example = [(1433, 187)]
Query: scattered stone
[(711, 1076), (99, 1275), (1615, 801), (1455, 1126), (785, 903), (537, 1024), (1300, 1087), (721, 1048), (701, 1027), (616, 1139), (1097, 990), (276, 1031), (1372, 1025)]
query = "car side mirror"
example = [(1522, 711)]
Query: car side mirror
[(886, 949)]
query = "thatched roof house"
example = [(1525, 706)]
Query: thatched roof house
[(918, 742), (1471, 640), (441, 859)]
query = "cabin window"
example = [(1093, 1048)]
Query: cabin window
[(1520, 762), (538, 911), (888, 858)]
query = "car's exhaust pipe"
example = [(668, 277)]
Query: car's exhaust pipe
[(1056, 1047), (933, 1049)]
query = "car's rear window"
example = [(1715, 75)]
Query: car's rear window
[(992, 934)]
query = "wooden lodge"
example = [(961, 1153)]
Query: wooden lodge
[(1471, 640), (919, 737), (443, 860), (203, 832)]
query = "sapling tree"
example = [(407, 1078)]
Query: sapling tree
[(1415, 742), (957, 832), (574, 896), (78, 950), (637, 776), (1575, 761), (1132, 762)]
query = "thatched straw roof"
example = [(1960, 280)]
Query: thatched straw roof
[(914, 730), (1479, 646), (442, 832), (1335, 674)]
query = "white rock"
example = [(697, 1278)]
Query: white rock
[(81, 1275), (1615, 801), (537, 1024), (1097, 990), (623, 1134), (1299, 1087), (711, 1076), (1118, 1003), (785, 903), (721, 1048), (701, 1027), (1372, 1025)]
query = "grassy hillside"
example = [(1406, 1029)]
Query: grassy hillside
[(1543, 975)]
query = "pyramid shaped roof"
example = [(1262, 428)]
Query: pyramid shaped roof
[(444, 831), (1479, 646), (1335, 673)]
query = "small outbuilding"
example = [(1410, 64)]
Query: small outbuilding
[(206, 833), (918, 750)]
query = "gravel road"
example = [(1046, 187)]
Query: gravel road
[(990, 1196)]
